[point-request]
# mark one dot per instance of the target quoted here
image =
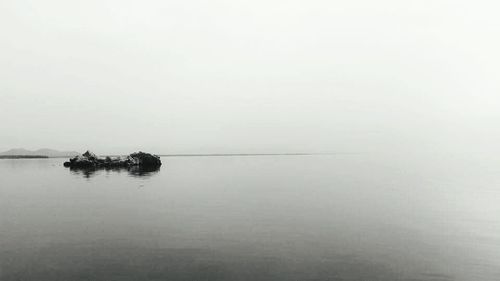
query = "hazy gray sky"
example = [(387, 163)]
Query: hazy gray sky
[(249, 76)]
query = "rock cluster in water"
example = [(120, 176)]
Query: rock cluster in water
[(90, 160)]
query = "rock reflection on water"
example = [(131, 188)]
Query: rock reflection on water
[(133, 171)]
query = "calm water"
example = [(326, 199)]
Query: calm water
[(344, 217)]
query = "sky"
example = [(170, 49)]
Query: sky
[(116, 76)]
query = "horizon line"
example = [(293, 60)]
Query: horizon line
[(250, 154), (216, 154)]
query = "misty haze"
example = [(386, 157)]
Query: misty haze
[(249, 140)]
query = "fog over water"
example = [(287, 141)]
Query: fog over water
[(390, 108), (249, 76)]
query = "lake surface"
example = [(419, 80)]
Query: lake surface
[(335, 217)]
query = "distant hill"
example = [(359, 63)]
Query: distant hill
[(22, 156), (42, 152)]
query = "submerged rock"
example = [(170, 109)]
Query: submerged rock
[(90, 160)]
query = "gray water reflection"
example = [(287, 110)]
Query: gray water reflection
[(252, 218), (109, 260)]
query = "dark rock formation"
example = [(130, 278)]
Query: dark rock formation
[(146, 159), (90, 160)]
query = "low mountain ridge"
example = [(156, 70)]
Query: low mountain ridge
[(39, 152)]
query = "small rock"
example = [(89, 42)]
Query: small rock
[(90, 160)]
